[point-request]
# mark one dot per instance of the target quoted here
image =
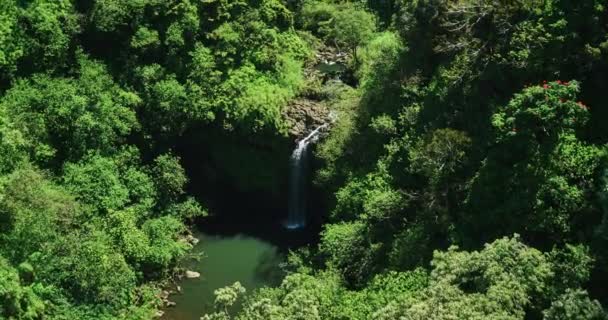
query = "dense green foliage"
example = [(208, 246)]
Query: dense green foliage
[(466, 175), (93, 209), (476, 124)]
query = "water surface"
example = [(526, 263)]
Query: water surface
[(331, 68), (224, 260)]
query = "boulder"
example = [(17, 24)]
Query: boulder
[(192, 274), (164, 294), (191, 239)]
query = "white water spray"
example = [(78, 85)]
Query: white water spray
[(296, 218)]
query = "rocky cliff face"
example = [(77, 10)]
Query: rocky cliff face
[(304, 115), (309, 111)]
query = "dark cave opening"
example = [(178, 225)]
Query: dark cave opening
[(237, 195)]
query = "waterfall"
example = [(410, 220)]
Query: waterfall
[(298, 179)]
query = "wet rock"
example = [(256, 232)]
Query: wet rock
[(331, 55), (191, 239), (164, 294), (192, 274), (170, 304), (308, 112), (184, 241), (159, 314), (304, 115)]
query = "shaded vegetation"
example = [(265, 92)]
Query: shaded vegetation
[(466, 174)]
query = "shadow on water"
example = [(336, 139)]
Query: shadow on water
[(271, 231)]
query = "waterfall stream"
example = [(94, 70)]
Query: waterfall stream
[(296, 217)]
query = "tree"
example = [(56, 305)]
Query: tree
[(225, 298), (11, 38), (169, 177), (34, 212), (96, 182), (89, 268), (501, 281), (352, 27), (112, 15), (50, 26), (17, 299), (166, 246), (440, 157), (575, 305), (539, 170), (346, 248), (63, 118), (441, 154), (36, 36)]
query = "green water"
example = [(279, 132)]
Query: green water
[(331, 68), (225, 260)]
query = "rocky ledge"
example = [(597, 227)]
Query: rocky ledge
[(304, 116)]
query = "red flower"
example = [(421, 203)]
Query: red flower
[(559, 82), (546, 86), (566, 83), (582, 105)]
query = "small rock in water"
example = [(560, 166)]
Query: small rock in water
[(178, 289), (170, 304), (159, 313), (194, 240), (164, 294), (192, 274)]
